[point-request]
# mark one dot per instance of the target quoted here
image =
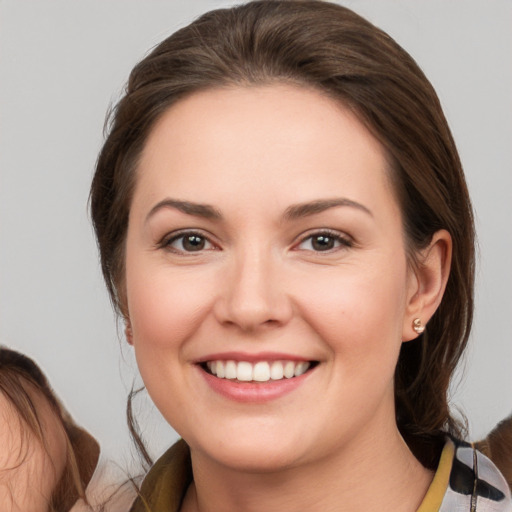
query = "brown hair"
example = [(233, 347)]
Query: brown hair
[(18, 376), (498, 447), (328, 47)]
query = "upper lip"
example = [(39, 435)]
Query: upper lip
[(244, 356)]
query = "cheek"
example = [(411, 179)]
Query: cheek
[(165, 307), (165, 311), (359, 313)]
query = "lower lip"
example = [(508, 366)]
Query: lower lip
[(257, 392)]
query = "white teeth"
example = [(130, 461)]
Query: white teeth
[(276, 370), (244, 371), (262, 371), (230, 369), (221, 372), (301, 368), (288, 370)]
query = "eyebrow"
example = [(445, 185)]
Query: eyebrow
[(305, 209), (293, 212), (196, 209)]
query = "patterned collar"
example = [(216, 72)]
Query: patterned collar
[(465, 481)]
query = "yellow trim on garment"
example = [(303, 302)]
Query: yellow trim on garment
[(435, 494)]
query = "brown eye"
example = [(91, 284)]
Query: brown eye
[(193, 243), (324, 241), (188, 242)]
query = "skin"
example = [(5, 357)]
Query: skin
[(260, 285), (29, 471)]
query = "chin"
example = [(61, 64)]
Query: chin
[(258, 460), (252, 455)]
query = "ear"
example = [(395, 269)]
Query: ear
[(427, 283), (128, 330)]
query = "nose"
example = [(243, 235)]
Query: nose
[(253, 294)]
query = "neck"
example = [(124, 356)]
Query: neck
[(366, 476)]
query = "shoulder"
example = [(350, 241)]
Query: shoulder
[(167, 481)]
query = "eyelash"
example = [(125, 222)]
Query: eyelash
[(342, 240), (167, 242)]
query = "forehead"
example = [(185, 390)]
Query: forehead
[(282, 141)]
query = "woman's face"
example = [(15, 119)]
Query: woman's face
[(265, 241)]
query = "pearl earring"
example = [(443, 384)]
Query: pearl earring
[(418, 326)]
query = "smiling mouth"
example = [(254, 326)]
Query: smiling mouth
[(261, 371)]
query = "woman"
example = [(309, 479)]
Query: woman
[(285, 229)]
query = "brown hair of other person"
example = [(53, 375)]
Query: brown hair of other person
[(498, 447), (17, 373), (332, 49)]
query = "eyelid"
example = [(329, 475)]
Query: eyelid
[(169, 238), (165, 242), (345, 240)]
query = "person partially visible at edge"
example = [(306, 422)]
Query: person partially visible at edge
[(46, 460)]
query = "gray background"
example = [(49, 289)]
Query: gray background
[(62, 63)]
